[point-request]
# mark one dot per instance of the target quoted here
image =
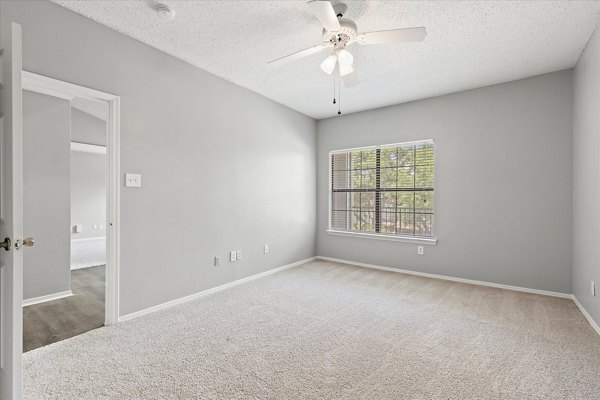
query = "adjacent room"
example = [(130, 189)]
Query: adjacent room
[(64, 187), (325, 199)]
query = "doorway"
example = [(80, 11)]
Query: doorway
[(71, 182)]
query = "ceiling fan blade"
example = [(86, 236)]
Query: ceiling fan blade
[(351, 79), (393, 36), (297, 55), (323, 10)]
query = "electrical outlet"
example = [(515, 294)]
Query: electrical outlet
[(420, 250), (593, 288), (266, 248), (238, 255), (217, 261), (232, 256)]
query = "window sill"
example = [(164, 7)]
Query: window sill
[(406, 239)]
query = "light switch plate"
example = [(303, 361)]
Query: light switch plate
[(133, 180)]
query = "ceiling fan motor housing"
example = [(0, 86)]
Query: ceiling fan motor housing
[(341, 38), (339, 9)]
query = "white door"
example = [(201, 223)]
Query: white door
[(11, 214)]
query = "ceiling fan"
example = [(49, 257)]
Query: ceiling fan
[(339, 33)]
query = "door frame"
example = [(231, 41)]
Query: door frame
[(65, 90)]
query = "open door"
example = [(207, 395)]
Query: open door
[(11, 214)]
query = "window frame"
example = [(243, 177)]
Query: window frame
[(432, 240)]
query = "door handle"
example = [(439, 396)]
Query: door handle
[(26, 242), (6, 244)]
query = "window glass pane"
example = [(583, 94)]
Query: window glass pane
[(355, 160), (355, 220), (341, 179), (389, 177), (341, 161), (367, 201), (388, 212), (406, 156), (406, 201), (424, 176), (406, 224), (355, 201), (340, 201), (424, 202), (369, 159), (340, 220), (406, 177), (356, 176), (369, 178), (388, 220), (389, 157), (367, 223), (423, 225), (424, 154), (388, 200)]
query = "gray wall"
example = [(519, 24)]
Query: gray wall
[(86, 128), (88, 194), (88, 177), (46, 194), (586, 177), (503, 182), (222, 167)]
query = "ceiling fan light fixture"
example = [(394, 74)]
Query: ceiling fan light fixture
[(328, 65), (346, 69), (345, 58)]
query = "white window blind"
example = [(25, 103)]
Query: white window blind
[(383, 189)]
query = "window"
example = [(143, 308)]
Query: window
[(383, 190)]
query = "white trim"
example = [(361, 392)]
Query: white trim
[(48, 297), (587, 315), (43, 84), (73, 268), (33, 87), (407, 239), (88, 148), (432, 241), (449, 278), (89, 239), (113, 213), (194, 296), (382, 146), (54, 87)]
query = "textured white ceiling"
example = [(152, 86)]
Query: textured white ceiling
[(469, 44)]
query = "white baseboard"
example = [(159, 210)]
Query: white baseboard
[(74, 267), (587, 315), (88, 239), (48, 297), (194, 296), (450, 278)]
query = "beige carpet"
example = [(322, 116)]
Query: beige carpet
[(332, 331)]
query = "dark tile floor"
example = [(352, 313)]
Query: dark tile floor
[(56, 320)]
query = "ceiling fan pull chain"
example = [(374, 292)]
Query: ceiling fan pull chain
[(339, 97), (334, 90)]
